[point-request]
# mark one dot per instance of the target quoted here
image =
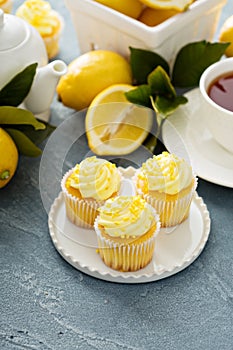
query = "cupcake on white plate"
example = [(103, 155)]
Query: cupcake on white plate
[(168, 183), (47, 21), (126, 229), (87, 186)]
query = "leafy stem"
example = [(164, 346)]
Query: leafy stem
[(21, 124), (156, 85)]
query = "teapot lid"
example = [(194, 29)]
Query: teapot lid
[(13, 31)]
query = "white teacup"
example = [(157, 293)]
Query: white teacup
[(218, 120)]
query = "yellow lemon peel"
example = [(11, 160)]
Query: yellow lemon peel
[(8, 159), (131, 8), (91, 73), (180, 5), (226, 35)]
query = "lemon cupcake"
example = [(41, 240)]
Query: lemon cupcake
[(168, 184), (87, 186), (6, 5), (48, 22), (126, 229)]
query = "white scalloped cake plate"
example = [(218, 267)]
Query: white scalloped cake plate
[(185, 132), (176, 248)]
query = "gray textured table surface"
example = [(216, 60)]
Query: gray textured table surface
[(46, 304)]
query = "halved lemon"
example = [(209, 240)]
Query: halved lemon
[(114, 126), (179, 5)]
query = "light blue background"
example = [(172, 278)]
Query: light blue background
[(45, 304)]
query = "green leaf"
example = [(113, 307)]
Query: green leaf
[(166, 106), (24, 144), (15, 116), (193, 59), (150, 142), (140, 95), (160, 83), (144, 62), (18, 88), (36, 136)]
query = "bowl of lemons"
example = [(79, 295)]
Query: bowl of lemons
[(156, 25)]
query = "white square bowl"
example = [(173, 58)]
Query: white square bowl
[(100, 27)]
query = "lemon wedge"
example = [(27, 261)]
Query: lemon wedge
[(114, 126), (179, 5)]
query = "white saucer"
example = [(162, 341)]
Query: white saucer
[(176, 248), (185, 131)]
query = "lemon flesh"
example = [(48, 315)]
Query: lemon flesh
[(226, 35), (8, 158), (131, 8), (91, 73), (179, 5), (114, 126)]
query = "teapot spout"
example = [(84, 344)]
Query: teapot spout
[(44, 85)]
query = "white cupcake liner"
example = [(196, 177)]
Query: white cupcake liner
[(126, 257), (171, 212), (81, 212), (52, 42), (52, 45)]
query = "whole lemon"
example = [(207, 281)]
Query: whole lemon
[(131, 8), (153, 17), (179, 5), (91, 73), (8, 158), (226, 35)]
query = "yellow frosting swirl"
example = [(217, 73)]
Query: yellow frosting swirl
[(166, 173), (96, 178), (40, 15), (126, 216)]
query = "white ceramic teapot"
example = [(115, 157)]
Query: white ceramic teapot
[(21, 45)]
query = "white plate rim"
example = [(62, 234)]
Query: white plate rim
[(129, 277), (213, 177)]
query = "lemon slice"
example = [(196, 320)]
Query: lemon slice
[(114, 126), (179, 5)]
